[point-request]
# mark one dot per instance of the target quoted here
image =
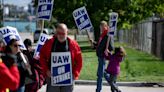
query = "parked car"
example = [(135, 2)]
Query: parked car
[(38, 32)]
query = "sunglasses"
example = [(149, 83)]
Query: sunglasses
[(16, 45)]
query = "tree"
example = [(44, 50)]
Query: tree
[(130, 11)]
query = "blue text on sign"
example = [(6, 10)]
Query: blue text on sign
[(61, 59), (5, 31), (45, 1), (43, 39), (79, 13)]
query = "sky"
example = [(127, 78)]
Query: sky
[(18, 2)]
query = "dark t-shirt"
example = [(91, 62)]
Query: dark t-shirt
[(59, 47), (102, 46)]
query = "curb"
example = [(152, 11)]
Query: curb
[(129, 84)]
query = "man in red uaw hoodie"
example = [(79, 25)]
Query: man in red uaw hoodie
[(60, 45)]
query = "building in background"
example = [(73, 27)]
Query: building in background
[(31, 9), (6, 11), (1, 12)]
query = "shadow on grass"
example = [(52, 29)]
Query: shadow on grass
[(87, 49), (149, 60), (83, 42)]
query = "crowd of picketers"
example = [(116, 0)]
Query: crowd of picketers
[(13, 73), (15, 77), (18, 76)]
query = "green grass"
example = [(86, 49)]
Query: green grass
[(137, 66)]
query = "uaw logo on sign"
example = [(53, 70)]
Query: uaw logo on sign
[(82, 19), (61, 69), (43, 38), (45, 8), (113, 22), (9, 33)]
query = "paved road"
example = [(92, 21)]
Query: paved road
[(87, 88)]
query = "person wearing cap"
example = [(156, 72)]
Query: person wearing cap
[(60, 43), (9, 74)]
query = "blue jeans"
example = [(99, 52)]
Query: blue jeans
[(100, 73), (111, 79), (21, 89)]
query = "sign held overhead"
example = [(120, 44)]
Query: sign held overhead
[(9, 33), (113, 17), (82, 19), (45, 8)]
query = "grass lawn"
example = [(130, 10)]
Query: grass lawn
[(137, 66)]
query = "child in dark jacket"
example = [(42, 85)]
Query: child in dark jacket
[(113, 68)]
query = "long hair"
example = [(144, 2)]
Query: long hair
[(120, 50), (8, 49)]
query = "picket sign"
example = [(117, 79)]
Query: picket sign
[(61, 69), (42, 39), (113, 18), (44, 12), (9, 33), (82, 19), (45, 8)]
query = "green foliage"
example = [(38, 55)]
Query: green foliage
[(1, 17), (52, 24), (1, 25), (130, 11)]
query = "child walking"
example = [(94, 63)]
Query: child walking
[(113, 68)]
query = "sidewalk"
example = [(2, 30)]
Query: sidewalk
[(129, 84), (92, 88)]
